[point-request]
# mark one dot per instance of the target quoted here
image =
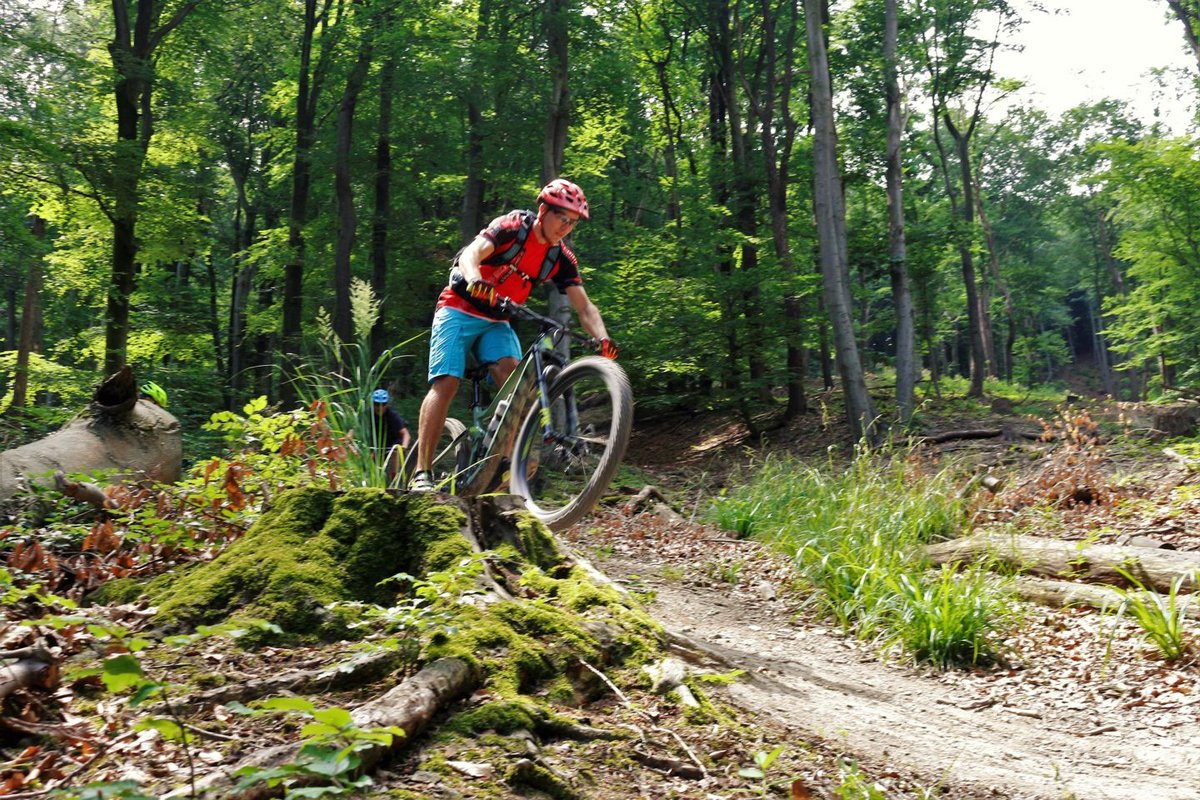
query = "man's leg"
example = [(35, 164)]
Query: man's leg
[(434, 408), (501, 369)]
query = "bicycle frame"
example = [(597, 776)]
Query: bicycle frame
[(526, 385)]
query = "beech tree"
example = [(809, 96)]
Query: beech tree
[(830, 215)]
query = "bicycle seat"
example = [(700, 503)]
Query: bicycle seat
[(476, 372)]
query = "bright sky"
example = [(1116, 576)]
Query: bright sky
[(1103, 48)]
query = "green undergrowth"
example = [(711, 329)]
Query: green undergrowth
[(856, 537)]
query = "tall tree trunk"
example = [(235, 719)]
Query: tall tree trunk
[(742, 203), (1010, 311), (966, 209), (214, 319), (831, 232), (241, 286), (722, 257), (343, 189), (777, 131), (1100, 347), (31, 311), (1190, 17), (471, 219), (558, 120), (308, 90), (381, 218), (906, 368), (825, 354), (132, 53), (718, 147)]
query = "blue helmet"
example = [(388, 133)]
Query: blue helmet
[(380, 396)]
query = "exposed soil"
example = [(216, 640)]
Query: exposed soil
[(1083, 709)]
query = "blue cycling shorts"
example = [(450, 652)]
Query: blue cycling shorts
[(455, 333)]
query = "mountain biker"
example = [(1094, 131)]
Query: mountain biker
[(390, 429), (507, 259)]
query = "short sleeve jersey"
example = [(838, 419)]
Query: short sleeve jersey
[(392, 425), (516, 278)]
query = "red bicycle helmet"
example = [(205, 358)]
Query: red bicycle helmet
[(564, 194)]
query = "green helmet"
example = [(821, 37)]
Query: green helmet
[(155, 393)]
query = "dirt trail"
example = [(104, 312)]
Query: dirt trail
[(897, 718), (1082, 715), (894, 717)]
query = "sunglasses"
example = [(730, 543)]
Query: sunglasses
[(563, 219)]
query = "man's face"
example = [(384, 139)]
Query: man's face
[(557, 223), (379, 407)]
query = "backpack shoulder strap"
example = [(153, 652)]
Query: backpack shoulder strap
[(549, 263), (513, 251)]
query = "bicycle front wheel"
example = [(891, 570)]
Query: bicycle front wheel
[(562, 473)]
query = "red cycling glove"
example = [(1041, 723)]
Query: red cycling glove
[(609, 349)]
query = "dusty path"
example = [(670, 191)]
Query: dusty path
[(894, 717), (1083, 713), (1014, 734)]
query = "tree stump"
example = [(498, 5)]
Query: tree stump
[(136, 438)]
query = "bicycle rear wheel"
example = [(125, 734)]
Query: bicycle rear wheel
[(563, 475)]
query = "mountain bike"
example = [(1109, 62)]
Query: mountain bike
[(568, 421)]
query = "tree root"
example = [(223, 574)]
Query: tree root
[(361, 670)]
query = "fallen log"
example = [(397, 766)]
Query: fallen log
[(1096, 563), (135, 438), (1064, 594), (984, 433)]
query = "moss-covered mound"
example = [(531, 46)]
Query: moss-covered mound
[(314, 547)]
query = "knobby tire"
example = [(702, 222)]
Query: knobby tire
[(563, 478)]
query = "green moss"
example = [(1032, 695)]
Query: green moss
[(707, 712), (116, 592), (312, 548), (209, 680), (501, 716), (538, 544), (445, 553)]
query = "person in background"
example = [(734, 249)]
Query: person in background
[(391, 430), (154, 393), (507, 259)]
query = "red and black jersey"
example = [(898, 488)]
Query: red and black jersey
[(518, 263)]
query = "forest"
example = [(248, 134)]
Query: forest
[(850, 267), (780, 191)]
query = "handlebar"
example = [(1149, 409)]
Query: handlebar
[(547, 324)]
